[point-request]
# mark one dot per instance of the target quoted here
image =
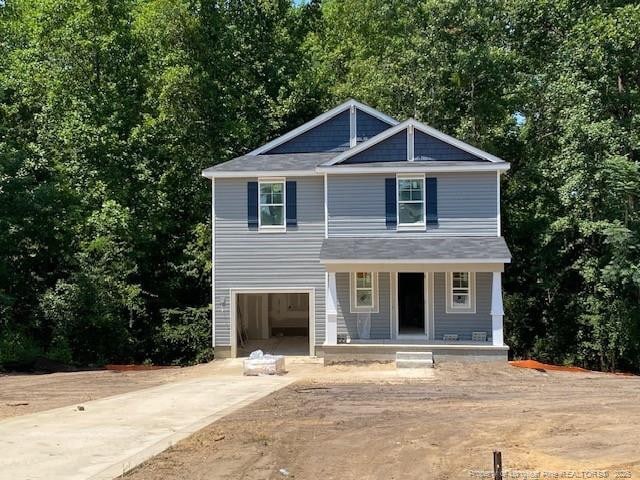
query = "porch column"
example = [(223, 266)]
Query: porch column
[(331, 326), (497, 312)]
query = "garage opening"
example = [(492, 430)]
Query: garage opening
[(276, 323)]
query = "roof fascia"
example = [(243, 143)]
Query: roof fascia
[(415, 168), (259, 173)]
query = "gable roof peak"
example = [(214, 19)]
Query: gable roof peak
[(422, 127), (346, 105)]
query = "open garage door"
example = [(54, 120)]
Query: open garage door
[(274, 322)]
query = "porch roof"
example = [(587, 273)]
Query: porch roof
[(415, 250)]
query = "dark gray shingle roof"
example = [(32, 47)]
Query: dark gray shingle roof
[(410, 249), (275, 163)]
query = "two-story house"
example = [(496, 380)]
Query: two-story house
[(355, 236)]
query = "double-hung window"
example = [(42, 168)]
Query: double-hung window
[(461, 298), (271, 204), (411, 205), (364, 292)]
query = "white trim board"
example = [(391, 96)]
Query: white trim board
[(415, 125), (414, 168), (418, 260), (259, 173), (321, 119)]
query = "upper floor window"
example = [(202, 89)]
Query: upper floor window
[(271, 204), (364, 292), (461, 298), (411, 211)]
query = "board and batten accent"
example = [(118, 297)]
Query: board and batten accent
[(246, 259), (348, 322), (392, 149), (330, 136), (467, 205), (427, 147), (368, 126)]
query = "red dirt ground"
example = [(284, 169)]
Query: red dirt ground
[(545, 366)]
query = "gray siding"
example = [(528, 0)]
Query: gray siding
[(462, 323), (330, 136), (467, 205), (392, 149), (347, 321), (368, 126), (426, 147), (250, 259)]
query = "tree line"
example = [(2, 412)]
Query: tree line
[(109, 110)]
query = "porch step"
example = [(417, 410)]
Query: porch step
[(414, 360)]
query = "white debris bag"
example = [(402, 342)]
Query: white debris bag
[(260, 363)]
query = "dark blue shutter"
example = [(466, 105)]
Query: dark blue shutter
[(432, 201), (252, 205), (292, 204), (390, 202)]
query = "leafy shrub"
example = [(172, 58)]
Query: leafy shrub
[(17, 351), (184, 338)]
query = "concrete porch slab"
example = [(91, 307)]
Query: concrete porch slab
[(386, 352)]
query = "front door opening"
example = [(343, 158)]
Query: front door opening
[(411, 303), (276, 323)]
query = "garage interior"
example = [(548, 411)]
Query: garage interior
[(276, 323)]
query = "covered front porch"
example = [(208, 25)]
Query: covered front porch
[(447, 301)]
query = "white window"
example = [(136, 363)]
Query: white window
[(461, 297), (364, 292), (271, 202), (410, 195)]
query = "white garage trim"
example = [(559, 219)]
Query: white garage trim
[(233, 295)]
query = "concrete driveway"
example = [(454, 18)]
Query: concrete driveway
[(112, 435)]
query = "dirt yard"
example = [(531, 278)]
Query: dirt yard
[(346, 426), (28, 393)]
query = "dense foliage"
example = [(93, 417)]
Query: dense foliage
[(109, 109)]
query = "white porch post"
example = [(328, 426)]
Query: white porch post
[(497, 311), (331, 326)]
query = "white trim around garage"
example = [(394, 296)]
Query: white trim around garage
[(233, 310)]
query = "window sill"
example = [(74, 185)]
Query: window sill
[(272, 229), (460, 310), (412, 228), (364, 310)]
